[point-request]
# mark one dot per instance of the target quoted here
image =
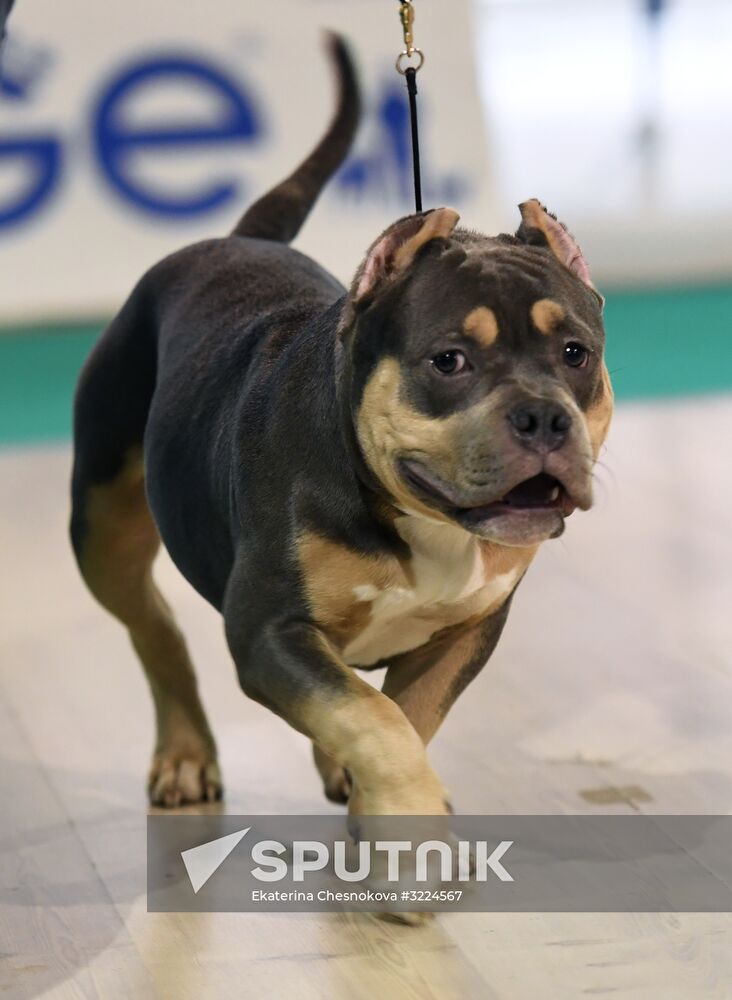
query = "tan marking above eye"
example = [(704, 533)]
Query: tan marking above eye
[(546, 315), (482, 325)]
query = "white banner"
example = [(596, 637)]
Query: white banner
[(128, 130)]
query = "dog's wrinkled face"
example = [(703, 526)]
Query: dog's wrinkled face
[(478, 388)]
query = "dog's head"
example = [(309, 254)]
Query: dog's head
[(475, 373)]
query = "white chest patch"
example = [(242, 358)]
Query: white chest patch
[(450, 584)]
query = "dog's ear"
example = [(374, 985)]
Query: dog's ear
[(396, 248), (541, 228)]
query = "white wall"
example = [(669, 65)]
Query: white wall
[(570, 86)]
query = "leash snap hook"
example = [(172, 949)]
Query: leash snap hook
[(410, 51), (406, 16)]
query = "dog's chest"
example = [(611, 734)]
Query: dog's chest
[(449, 580)]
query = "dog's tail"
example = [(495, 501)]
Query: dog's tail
[(279, 214)]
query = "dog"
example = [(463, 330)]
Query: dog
[(354, 478)]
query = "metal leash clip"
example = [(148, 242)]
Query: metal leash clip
[(410, 51)]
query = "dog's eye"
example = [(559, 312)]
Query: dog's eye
[(450, 362), (575, 355)]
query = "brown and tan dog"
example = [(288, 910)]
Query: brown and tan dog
[(353, 478)]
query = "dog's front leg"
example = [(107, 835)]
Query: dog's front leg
[(425, 683), (289, 666)]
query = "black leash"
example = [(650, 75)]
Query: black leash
[(411, 76), (410, 52)]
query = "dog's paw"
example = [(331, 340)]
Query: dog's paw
[(182, 779)]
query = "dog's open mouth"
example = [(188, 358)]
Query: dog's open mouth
[(540, 493)]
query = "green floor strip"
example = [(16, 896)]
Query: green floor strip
[(661, 343), (671, 342), (38, 371)]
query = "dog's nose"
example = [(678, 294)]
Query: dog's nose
[(540, 425)]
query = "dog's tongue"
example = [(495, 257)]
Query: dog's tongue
[(535, 492)]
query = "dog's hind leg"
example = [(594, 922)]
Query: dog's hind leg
[(115, 541)]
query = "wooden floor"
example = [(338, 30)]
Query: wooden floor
[(611, 691)]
